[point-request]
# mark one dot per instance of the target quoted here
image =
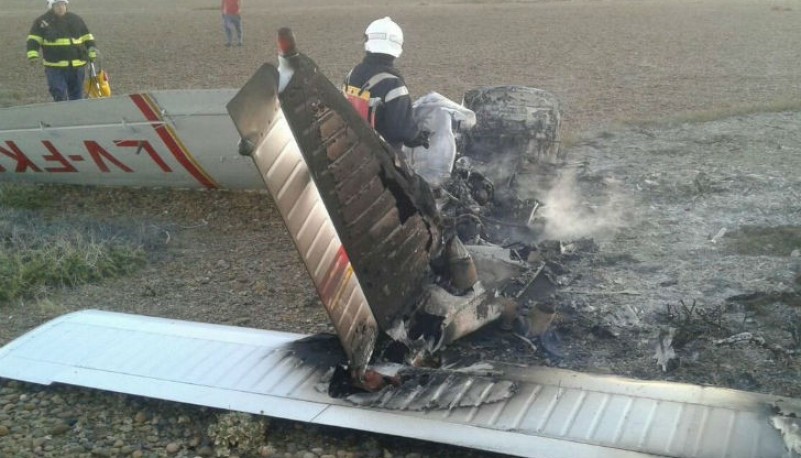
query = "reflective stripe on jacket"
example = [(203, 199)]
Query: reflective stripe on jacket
[(362, 98), (63, 41), (391, 106)]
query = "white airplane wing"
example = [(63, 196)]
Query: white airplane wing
[(553, 414)]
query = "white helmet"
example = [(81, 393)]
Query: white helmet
[(384, 36), (50, 3)]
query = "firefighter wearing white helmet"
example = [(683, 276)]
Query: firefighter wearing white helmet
[(51, 2), (377, 89), (65, 45), (384, 36)]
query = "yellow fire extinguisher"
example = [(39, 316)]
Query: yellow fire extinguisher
[(97, 85)]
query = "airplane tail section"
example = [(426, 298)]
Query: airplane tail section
[(383, 211), (364, 223), (258, 116)]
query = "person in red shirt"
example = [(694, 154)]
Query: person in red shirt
[(232, 21)]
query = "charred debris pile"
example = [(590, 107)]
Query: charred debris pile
[(434, 261)]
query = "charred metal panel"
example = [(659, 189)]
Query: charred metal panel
[(383, 213), (550, 413), (258, 117), (462, 314)]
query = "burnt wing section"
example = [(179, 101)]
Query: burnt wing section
[(384, 213)]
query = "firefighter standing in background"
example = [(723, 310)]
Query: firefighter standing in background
[(66, 45), (377, 90)]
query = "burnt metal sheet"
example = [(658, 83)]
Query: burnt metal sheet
[(380, 208), (258, 117), (552, 414)]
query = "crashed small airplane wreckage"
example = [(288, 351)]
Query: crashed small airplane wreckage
[(403, 266), (390, 267)]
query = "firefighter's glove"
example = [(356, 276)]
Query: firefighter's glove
[(92, 54), (32, 60), (420, 140)]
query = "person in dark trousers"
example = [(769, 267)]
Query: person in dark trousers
[(377, 89), (66, 46)]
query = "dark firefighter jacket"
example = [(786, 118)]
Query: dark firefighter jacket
[(393, 114), (63, 40)]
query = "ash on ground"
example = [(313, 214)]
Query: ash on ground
[(677, 255)]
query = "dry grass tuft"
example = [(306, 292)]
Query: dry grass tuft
[(37, 254)]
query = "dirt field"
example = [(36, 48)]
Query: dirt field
[(679, 212), (606, 60)]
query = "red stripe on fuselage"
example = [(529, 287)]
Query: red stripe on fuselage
[(145, 106), (335, 276)]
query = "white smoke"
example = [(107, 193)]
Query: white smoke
[(569, 215)]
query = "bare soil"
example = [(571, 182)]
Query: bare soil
[(679, 229)]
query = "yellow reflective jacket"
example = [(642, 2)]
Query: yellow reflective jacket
[(64, 41)]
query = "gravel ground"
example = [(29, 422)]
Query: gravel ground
[(224, 257), (64, 421)]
